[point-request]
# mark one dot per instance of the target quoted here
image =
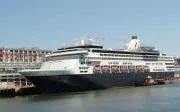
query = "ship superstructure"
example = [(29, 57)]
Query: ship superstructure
[(87, 66)]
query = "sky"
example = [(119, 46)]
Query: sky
[(48, 24)]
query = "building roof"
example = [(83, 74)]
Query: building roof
[(25, 49)]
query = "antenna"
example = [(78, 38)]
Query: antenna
[(82, 41)]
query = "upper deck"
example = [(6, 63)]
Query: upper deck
[(80, 46), (133, 47)]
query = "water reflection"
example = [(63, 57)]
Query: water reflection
[(140, 99)]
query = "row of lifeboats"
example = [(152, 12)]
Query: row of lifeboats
[(122, 67)]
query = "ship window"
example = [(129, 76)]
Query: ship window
[(4, 80), (10, 80), (148, 63), (82, 62), (170, 67), (130, 63), (83, 71), (169, 63)]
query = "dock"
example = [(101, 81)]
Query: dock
[(7, 92), (15, 91), (12, 84)]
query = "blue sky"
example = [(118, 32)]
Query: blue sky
[(50, 23)]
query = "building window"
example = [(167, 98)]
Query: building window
[(1, 60), (30, 60), (25, 60), (6, 60), (12, 60)]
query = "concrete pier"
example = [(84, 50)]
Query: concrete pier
[(7, 92)]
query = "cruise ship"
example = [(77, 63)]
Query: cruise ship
[(89, 66)]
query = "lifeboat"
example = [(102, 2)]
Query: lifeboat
[(105, 69), (146, 68), (139, 68), (124, 68), (132, 68), (96, 68), (115, 68)]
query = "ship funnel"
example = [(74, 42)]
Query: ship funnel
[(134, 37), (133, 44)]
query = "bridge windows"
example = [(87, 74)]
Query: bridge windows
[(83, 67), (86, 62)]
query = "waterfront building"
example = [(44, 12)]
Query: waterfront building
[(21, 58), (14, 59)]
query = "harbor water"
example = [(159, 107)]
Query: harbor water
[(160, 98)]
